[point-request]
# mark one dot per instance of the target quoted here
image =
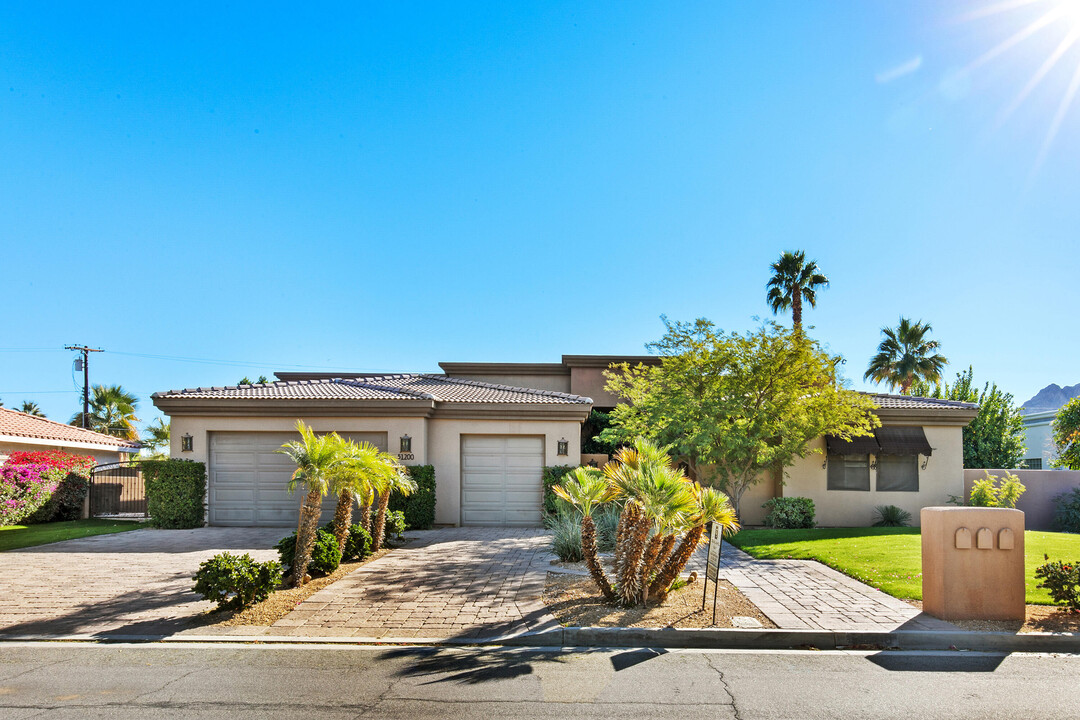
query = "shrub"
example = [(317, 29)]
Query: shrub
[(70, 473), (175, 490), (419, 507), (1062, 580), (236, 581), (985, 491), (891, 516), (565, 527), (357, 545), (24, 489), (1067, 511), (607, 523), (395, 524), (790, 512), (553, 475), (325, 556)]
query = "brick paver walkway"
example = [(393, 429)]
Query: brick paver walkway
[(130, 583), (452, 582), (804, 594)]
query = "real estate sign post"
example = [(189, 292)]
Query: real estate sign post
[(712, 567)]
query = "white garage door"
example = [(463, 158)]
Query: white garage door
[(501, 480), (249, 478)]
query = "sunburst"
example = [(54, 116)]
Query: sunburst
[(1047, 14)]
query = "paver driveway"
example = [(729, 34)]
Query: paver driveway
[(452, 582), (130, 583)]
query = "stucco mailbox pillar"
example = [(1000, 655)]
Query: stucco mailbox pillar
[(973, 563)]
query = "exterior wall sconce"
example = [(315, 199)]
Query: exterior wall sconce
[(925, 462), (873, 462), (564, 447), (406, 444), (187, 443)]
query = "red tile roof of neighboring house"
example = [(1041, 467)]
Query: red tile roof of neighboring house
[(14, 424)]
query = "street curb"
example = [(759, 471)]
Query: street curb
[(703, 638)]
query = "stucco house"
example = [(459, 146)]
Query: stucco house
[(22, 432), (490, 428)]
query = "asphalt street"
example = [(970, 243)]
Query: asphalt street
[(74, 680)]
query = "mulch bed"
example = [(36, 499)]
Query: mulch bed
[(281, 602), (1040, 618), (575, 601)]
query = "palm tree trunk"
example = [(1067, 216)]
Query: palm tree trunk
[(659, 588), (796, 309), (588, 548), (365, 518), (665, 552), (380, 522), (343, 518), (648, 564), (626, 520), (305, 535), (637, 537)]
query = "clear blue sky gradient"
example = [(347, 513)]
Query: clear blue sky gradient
[(384, 186)]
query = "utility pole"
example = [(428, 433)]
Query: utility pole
[(85, 362)]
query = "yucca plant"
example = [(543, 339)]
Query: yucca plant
[(891, 516)]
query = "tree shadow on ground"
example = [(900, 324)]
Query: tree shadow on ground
[(468, 666)]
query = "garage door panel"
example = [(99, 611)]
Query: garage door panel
[(501, 482)]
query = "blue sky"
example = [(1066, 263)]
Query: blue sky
[(384, 186)]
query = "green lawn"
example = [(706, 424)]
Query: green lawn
[(890, 559), (21, 536)]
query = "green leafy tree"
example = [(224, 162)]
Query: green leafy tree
[(735, 406), (995, 438), (1067, 435), (31, 408), (157, 437), (905, 356), (112, 412), (794, 280)]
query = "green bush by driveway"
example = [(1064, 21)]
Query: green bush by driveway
[(13, 537), (890, 558)]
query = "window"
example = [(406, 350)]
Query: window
[(898, 473), (1031, 464), (849, 472)]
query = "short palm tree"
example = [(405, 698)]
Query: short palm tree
[(363, 466), (157, 436), (397, 480), (906, 356), (31, 408), (794, 280), (112, 412), (317, 458), (585, 488)]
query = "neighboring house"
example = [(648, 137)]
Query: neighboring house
[(19, 431), (489, 428), (1039, 439)]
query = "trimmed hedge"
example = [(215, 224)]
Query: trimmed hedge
[(418, 508), (789, 512), (236, 581), (175, 490), (553, 475)]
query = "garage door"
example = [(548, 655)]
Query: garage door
[(249, 478), (501, 483)]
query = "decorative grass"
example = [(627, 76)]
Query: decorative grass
[(13, 537), (890, 559)]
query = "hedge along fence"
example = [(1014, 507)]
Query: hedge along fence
[(67, 475), (419, 508), (553, 475), (174, 492)]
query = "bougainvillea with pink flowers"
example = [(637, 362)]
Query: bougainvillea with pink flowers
[(67, 473), (24, 489)]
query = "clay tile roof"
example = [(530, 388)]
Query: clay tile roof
[(16, 424), (410, 386), (909, 402)]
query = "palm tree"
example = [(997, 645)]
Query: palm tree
[(794, 280), (317, 458), (157, 436), (363, 466), (585, 488), (904, 357), (31, 408), (112, 411), (396, 481)]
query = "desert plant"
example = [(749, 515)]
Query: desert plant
[(175, 490), (985, 492), (891, 516), (607, 524), (586, 488), (790, 512), (359, 470), (1062, 580), (794, 280), (565, 527), (324, 554), (112, 412), (395, 482), (1067, 511), (904, 357), (236, 581)]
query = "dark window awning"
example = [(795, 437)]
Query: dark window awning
[(865, 445), (903, 441)]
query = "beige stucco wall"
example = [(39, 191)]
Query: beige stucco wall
[(943, 476), (589, 382), (445, 453), (1042, 487), (103, 457), (546, 381)]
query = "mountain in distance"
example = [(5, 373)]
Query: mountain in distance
[(1051, 397)]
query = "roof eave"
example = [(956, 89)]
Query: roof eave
[(575, 412), (927, 416), (283, 407), (57, 442)]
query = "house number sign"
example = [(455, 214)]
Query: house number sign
[(404, 456)]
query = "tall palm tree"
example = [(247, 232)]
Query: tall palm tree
[(363, 466), (906, 356), (794, 280), (317, 458), (157, 436), (585, 488), (112, 411), (31, 408)]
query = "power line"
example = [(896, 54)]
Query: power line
[(210, 361)]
